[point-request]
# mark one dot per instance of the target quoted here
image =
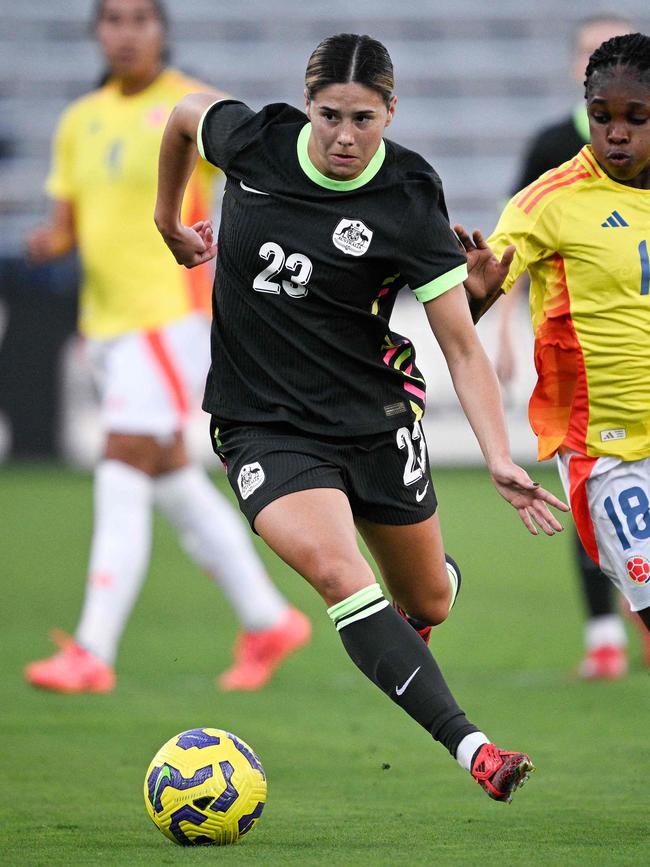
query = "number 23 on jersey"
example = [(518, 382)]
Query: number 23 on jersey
[(298, 265)]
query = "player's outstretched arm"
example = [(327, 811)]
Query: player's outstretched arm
[(478, 391), (486, 273), (190, 245), (529, 499)]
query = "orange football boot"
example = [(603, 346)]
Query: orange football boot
[(258, 654), (72, 669)]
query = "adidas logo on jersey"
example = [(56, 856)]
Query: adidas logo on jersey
[(614, 221), (618, 433)]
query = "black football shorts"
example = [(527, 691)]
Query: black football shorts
[(385, 476)]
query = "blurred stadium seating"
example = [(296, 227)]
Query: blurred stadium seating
[(473, 81)]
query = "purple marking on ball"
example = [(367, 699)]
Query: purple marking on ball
[(197, 738)]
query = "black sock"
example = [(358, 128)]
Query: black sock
[(393, 656)]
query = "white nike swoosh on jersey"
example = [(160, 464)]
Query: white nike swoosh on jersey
[(419, 495), (399, 690), (252, 190)]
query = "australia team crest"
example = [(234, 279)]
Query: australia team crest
[(250, 477), (352, 236)]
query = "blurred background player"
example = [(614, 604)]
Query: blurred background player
[(147, 333), (605, 637)]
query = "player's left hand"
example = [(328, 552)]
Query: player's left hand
[(485, 273), (529, 499)]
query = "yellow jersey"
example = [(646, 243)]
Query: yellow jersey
[(584, 240), (105, 163)]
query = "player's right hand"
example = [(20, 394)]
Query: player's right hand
[(192, 245)]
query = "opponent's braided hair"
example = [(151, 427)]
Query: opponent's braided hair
[(631, 51)]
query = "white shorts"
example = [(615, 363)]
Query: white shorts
[(149, 381), (610, 500)]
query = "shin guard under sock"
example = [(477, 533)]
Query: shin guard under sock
[(392, 655)]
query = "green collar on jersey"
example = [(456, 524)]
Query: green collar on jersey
[(322, 180), (581, 121)]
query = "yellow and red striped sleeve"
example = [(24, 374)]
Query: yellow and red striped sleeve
[(532, 221)]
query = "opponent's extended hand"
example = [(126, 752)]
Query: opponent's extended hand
[(528, 498), (192, 245), (486, 273)]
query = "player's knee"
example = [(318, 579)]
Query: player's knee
[(335, 577), (433, 611), (433, 602), (439, 613), (335, 581)]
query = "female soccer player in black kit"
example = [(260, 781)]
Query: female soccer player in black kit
[(315, 403)]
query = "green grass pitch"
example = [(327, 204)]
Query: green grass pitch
[(352, 780)]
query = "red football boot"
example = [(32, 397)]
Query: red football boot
[(500, 772)]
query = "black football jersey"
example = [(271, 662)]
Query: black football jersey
[(308, 269)]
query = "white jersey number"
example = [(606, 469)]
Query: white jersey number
[(416, 461), (297, 264)]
